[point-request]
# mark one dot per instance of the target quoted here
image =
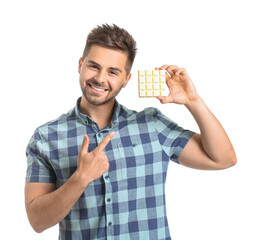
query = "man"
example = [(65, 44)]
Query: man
[(111, 185)]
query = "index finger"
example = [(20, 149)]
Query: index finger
[(105, 142), (171, 69), (164, 67)]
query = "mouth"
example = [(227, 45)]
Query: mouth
[(97, 89)]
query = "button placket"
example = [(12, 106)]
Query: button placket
[(108, 192), (98, 138), (107, 177), (108, 210), (108, 204)]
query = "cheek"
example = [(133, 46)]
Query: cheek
[(115, 85), (84, 76), (118, 83), (82, 80)]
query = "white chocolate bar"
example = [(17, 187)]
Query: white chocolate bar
[(152, 83)]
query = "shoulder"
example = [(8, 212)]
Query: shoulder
[(147, 114), (57, 124)]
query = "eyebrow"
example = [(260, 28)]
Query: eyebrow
[(111, 68)]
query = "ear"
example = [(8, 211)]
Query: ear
[(79, 64), (127, 79)]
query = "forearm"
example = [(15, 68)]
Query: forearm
[(49, 209), (213, 136)]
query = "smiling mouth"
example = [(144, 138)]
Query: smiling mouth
[(101, 90)]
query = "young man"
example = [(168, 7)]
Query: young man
[(111, 185)]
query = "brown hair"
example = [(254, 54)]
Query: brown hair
[(112, 37)]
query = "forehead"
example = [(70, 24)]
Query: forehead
[(107, 57)]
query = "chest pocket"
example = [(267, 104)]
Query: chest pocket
[(130, 160)]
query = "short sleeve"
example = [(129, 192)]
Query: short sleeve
[(172, 137), (38, 167)]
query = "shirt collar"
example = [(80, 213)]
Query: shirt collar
[(88, 121)]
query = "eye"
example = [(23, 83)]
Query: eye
[(115, 73), (93, 66)]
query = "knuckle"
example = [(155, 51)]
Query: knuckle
[(107, 164)]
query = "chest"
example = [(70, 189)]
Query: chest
[(133, 153)]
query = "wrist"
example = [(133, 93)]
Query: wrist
[(194, 103), (80, 180)]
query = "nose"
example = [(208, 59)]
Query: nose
[(100, 77)]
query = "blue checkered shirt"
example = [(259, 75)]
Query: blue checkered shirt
[(128, 201)]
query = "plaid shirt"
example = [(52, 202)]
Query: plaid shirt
[(128, 201)]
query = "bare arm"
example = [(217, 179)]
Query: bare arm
[(47, 206), (211, 149)]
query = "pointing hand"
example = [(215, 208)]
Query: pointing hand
[(92, 165)]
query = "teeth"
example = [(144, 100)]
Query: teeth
[(98, 89)]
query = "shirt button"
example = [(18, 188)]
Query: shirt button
[(108, 200), (99, 135), (110, 223), (107, 177)]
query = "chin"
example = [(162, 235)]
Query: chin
[(98, 102)]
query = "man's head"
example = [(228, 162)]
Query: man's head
[(105, 65), (115, 38)]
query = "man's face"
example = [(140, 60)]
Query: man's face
[(102, 74)]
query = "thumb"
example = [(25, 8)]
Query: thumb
[(85, 144), (164, 99)]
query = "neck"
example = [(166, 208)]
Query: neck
[(101, 114)]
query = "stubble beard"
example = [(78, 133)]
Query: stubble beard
[(95, 99)]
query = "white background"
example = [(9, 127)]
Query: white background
[(226, 46)]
